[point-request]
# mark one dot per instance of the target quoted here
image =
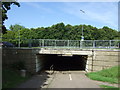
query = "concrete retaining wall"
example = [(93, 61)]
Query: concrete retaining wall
[(10, 56), (102, 59), (40, 61)]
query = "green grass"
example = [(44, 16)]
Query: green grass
[(12, 78), (107, 75), (109, 87)]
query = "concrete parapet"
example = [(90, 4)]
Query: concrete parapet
[(44, 51)]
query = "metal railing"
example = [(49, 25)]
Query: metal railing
[(33, 43), (51, 69)]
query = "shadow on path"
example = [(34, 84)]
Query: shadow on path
[(34, 83)]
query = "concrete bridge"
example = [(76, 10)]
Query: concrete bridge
[(87, 55), (37, 59)]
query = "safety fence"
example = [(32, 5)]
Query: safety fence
[(34, 43)]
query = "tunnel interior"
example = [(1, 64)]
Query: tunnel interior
[(64, 63)]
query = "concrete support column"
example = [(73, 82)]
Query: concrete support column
[(89, 64)]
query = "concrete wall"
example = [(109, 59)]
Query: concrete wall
[(102, 59), (40, 61), (105, 59), (10, 55), (96, 59)]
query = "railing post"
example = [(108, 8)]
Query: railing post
[(43, 43), (118, 45), (29, 40), (93, 43), (39, 42), (55, 43), (110, 43), (19, 43), (80, 43), (68, 43)]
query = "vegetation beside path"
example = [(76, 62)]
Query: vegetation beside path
[(12, 78), (107, 75), (110, 75), (111, 87)]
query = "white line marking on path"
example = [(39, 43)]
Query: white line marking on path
[(70, 77)]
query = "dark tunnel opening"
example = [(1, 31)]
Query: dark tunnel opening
[(65, 63)]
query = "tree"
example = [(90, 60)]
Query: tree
[(59, 31), (5, 7), (16, 27)]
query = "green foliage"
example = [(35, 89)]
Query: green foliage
[(18, 65), (59, 31), (111, 72), (107, 75), (11, 78), (16, 27), (5, 8), (102, 78), (109, 87)]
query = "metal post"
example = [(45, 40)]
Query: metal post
[(19, 38), (68, 44), (55, 43), (81, 44), (110, 43), (82, 37), (39, 43), (82, 26), (118, 45), (43, 43), (93, 44), (82, 30), (29, 43)]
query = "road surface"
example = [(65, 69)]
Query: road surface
[(69, 79)]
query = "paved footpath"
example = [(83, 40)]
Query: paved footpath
[(70, 79), (63, 79), (36, 81)]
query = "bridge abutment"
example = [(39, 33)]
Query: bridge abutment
[(35, 59)]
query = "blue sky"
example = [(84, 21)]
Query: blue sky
[(44, 14)]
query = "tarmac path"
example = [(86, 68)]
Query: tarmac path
[(70, 79)]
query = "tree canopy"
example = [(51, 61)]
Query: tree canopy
[(61, 31), (5, 7)]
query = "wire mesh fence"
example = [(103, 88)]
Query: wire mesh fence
[(35, 43)]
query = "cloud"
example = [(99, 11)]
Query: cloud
[(39, 6), (106, 13)]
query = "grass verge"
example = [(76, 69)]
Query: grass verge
[(107, 75), (109, 87), (12, 78)]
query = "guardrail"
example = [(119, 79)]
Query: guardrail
[(64, 43)]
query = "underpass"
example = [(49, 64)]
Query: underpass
[(89, 55), (69, 66), (64, 63), (38, 59), (63, 60), (65, 71)]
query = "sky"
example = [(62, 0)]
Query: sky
[(45, 14)]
